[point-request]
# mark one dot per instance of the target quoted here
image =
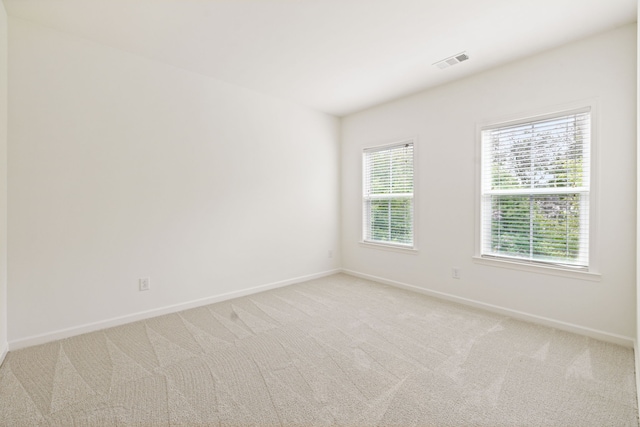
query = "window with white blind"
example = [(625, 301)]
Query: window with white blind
[(388, 205), (535, 189)]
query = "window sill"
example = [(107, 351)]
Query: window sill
[(536, 268), (392, 248)]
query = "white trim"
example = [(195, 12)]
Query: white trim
[(413, 250), (3, 353), (545, 321), (539, 115), (122, 320), (543, 191), (590, 104), (413, 140), (637, 365), (538, 268), (398, 143)]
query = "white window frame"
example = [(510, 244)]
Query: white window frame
[(396, 247), (592, 271)]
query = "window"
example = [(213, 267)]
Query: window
[(535, 189), (388, 194)]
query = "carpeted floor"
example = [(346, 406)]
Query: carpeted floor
[(333, 351)]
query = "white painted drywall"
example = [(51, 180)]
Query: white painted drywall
[(123, 167), (3, 179), (444, 120), (637, 336)]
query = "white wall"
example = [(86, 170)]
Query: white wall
[(122, 167), (3, 180), (637, 336), (444, 120)]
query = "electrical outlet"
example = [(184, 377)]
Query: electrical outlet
[(330, 254), (145, 283), (456, 272)]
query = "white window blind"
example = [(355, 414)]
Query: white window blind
[(388, 194), (535, 190)]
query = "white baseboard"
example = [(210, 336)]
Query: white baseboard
[(637, 359), (557, 324), (3, 352), (117, 321)]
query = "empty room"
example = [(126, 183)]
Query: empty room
[(318, 213)]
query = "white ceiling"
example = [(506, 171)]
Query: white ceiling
[(336, 56)]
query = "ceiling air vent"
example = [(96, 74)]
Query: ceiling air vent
[(452, 60)]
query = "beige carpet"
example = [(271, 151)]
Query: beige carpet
[(333, 351)]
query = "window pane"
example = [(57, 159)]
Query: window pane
[(543, 154), (390, 171), (538, 227), (391, 220)]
